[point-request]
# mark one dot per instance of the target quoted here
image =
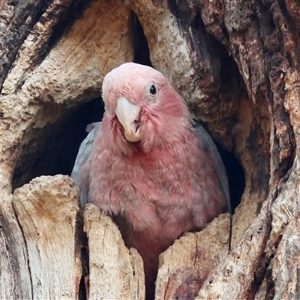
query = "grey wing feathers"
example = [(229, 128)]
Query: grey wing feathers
[(82, 156), (210, 145)]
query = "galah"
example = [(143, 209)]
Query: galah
[(148, 165)]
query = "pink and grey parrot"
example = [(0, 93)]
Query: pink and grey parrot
[(148, 165)]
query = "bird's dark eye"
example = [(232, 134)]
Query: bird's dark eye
[(153, 89)]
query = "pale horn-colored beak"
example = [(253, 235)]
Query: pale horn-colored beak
[(128, 115)]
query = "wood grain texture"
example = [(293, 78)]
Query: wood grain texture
[(115, 272), (186, 264), (47, 210)]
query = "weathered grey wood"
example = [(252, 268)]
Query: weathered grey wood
[(186, 264), (47, 210), (15, 280), (241, 265), (114, 271)]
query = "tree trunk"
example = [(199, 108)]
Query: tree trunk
[(237, 66)]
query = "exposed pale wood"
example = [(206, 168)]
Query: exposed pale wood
[(233, 277), (74, 68), (15, 22), (34, 97), (47, 210), (186, 264), (15, 282), (114, 271), (29, 97)]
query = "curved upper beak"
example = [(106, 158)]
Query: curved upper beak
[(128, 115)]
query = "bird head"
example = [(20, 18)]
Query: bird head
[(143, 101)]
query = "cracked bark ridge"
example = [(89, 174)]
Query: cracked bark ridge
[(47, 210)]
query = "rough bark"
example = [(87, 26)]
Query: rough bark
[(237, 66)]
